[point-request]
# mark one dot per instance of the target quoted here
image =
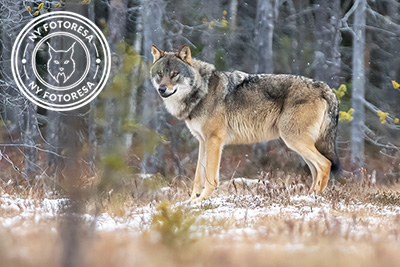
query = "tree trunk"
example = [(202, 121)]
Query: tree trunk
[(31, 129), (117, 22), (327, 40), (263, 37), (295, 36), (233, 15), (71, 135), (18, 113), (153, 114), (212, 10), (53, 133), (357, 133), (116, 33), (91, 120), (65, 129), (136, 73), (12, 101), (31, 137), (137, 44)]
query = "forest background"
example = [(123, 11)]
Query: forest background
[(351, 45)]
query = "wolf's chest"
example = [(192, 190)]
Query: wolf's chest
[(196, 128)]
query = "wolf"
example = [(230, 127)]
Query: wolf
[(223, 107), (61, 64)]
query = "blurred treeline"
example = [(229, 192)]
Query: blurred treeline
[(127, 131)]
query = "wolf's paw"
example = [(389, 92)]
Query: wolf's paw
[(195, 200), (311, 191), (194, 196)]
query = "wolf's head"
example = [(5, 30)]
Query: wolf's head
[(172, 74), (181, 81), (61, 64)]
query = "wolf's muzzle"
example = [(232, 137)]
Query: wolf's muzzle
[(162, 90)]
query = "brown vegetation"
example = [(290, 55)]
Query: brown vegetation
[(269, 221)]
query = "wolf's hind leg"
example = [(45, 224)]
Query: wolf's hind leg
[(313, 172), (319, 165), (325, 177), (200, 171), (299, 127), (213, 154)]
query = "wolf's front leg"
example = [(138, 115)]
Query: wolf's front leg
[(213, 154), (200, 171)]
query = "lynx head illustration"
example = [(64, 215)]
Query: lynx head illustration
[(61, 64)]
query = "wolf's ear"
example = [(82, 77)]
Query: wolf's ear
[(185, 54), (156, 52)]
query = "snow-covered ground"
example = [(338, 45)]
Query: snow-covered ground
[(235, 227), (245, 213)]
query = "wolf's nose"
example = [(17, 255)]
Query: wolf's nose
[(162, 89), (61, 69)]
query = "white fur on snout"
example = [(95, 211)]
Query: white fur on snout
[(174, 103)]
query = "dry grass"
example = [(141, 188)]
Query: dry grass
[(264, 222)]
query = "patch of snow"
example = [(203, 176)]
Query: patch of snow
[(243, 211), (145, 175), (244, 180), (164, 189)]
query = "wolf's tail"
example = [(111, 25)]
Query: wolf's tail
[(326, 144)]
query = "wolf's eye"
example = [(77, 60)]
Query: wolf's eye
[(56, 62), (66, 61), (159, 74), (174, 74)]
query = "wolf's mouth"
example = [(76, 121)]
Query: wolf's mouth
[(166, 94)]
